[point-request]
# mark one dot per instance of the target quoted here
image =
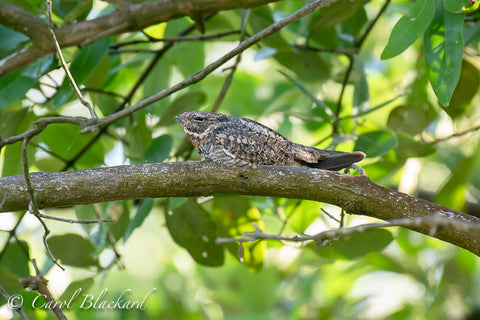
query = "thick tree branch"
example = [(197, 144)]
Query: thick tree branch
[(132, 18), (356, 194)]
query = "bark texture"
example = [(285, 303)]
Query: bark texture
[(356, 194)]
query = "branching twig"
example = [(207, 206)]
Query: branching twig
[(435, 220), (40, 126), (64, 64), (40, 284)]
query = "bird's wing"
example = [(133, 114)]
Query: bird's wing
[(253, 142)]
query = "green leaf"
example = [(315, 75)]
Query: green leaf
[(143, 210), (10, 39), (453, 194), (466, 89), (13, 87), (14, 258), (186, 102), (160, 148), (192, 228), (356, 245), (121, 215), (191, 51), (334, 14), (361, 95), (86, 212), (323, 109), (302, 215), (408, 119), (409, 27), (443, 44), (409, 147), (376, 143), (458, 5), (72, 249), (64, 140), (233, 216), (139, 140)]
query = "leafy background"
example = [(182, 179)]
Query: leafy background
[(396, 79)]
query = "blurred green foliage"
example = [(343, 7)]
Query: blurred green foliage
[(400, 84)]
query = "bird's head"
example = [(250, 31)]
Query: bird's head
[(196, 123)]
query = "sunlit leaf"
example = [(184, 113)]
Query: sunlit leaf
[(156, 31), (409, 27), (234, 216), (443, 43), (143, 210)]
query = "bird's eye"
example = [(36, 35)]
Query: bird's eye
[(198, 119)]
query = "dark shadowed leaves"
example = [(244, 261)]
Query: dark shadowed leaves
[(72, 249), (376, 143), (466, 89), (193, 228)]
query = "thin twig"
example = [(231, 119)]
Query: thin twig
[(454, 135), (86, 221), (177, 39), (437, 220), (200, 75), (40, 126), (64, 64), (344, 51), (330, 215), (33, 202), (12, 303)]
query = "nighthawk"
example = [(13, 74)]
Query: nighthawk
[(243, 142)]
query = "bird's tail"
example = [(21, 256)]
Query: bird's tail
[(328, 159)]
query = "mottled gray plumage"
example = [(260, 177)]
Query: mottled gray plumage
[(244, 142)]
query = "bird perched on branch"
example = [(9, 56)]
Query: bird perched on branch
[(243, 142)]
